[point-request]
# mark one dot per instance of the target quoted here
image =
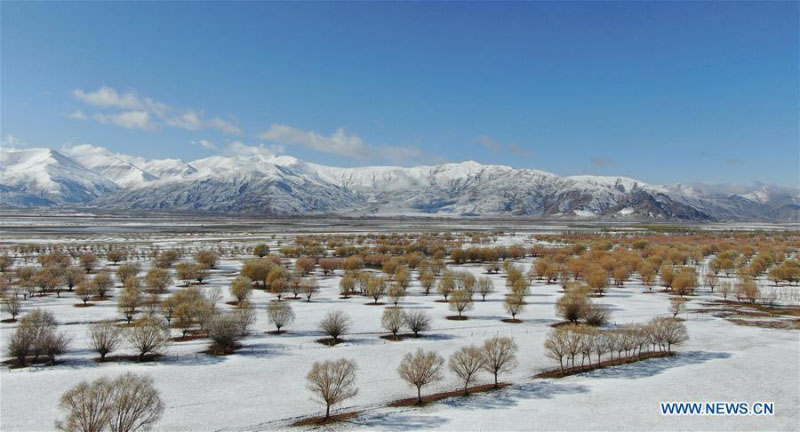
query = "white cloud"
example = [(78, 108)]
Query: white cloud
[(339, 142), (188, 120), (206, 144), (158, 113), (238, 148), (223, 125), (77, 115), (128, 119), (490, 143), (108, 97)]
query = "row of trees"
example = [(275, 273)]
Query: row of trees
[(334, 381), (566, 343)]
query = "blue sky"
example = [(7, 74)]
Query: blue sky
[(664, 92)]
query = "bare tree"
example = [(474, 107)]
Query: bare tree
[(130, 299), (88, 261), (88, 406), (147, 336), (417, 321), (500, 355), (467, 362), (101, 283), (206, 259), (596, 315), (514, 303), (36, 334), (556, 346), (104, 337), (420, 369), (347, 285), (309, 286), (12, 305), (126, 271), (52, 344), (460, 301), (73, 276), (334, 324), (375, 288), (393, 320), (157, 280), (136, 404), (677, 306), (84, 291), (241, 288), (572, 306), (224, 332), (333, 382), (280, 314), (485, 287), (670, 332)]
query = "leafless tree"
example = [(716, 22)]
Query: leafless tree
[(88, 406), (136, 404), (84, 291), (417, 321), (393, 320), (670, 332), (460, 301), (130, 299), (333, 381), (485, 286), (677, 305), (309, 286), (335, 323), (420, 369), (148, 335), (207, 259), (514, 303), (101, 283), (88, 261), (12, 305), (157, 280), (280, 314), (375, 288), (104, 337), (500, 356), (467, 362), (223, 330), (241, 287), (556, 346), (52, 344), (595, 315)]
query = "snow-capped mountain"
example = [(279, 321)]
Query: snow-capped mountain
[(44, 177), (257, 183)]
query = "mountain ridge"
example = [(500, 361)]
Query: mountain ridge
[(258, 183)]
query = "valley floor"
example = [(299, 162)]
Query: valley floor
[(262, 386)]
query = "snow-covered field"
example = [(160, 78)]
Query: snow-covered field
[(262, 386)]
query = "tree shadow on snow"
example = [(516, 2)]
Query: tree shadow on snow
[(261, 350), (399, 421), (655, 366), (510, 396)]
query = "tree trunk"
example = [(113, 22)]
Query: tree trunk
[(327, 411), (419, 395)]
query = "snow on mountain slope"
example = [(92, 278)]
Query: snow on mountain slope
[(47, 177), (257, 182), (115, 167)]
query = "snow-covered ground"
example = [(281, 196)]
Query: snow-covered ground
[(263, 387)]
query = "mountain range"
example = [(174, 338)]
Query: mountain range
[(257, 183)]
